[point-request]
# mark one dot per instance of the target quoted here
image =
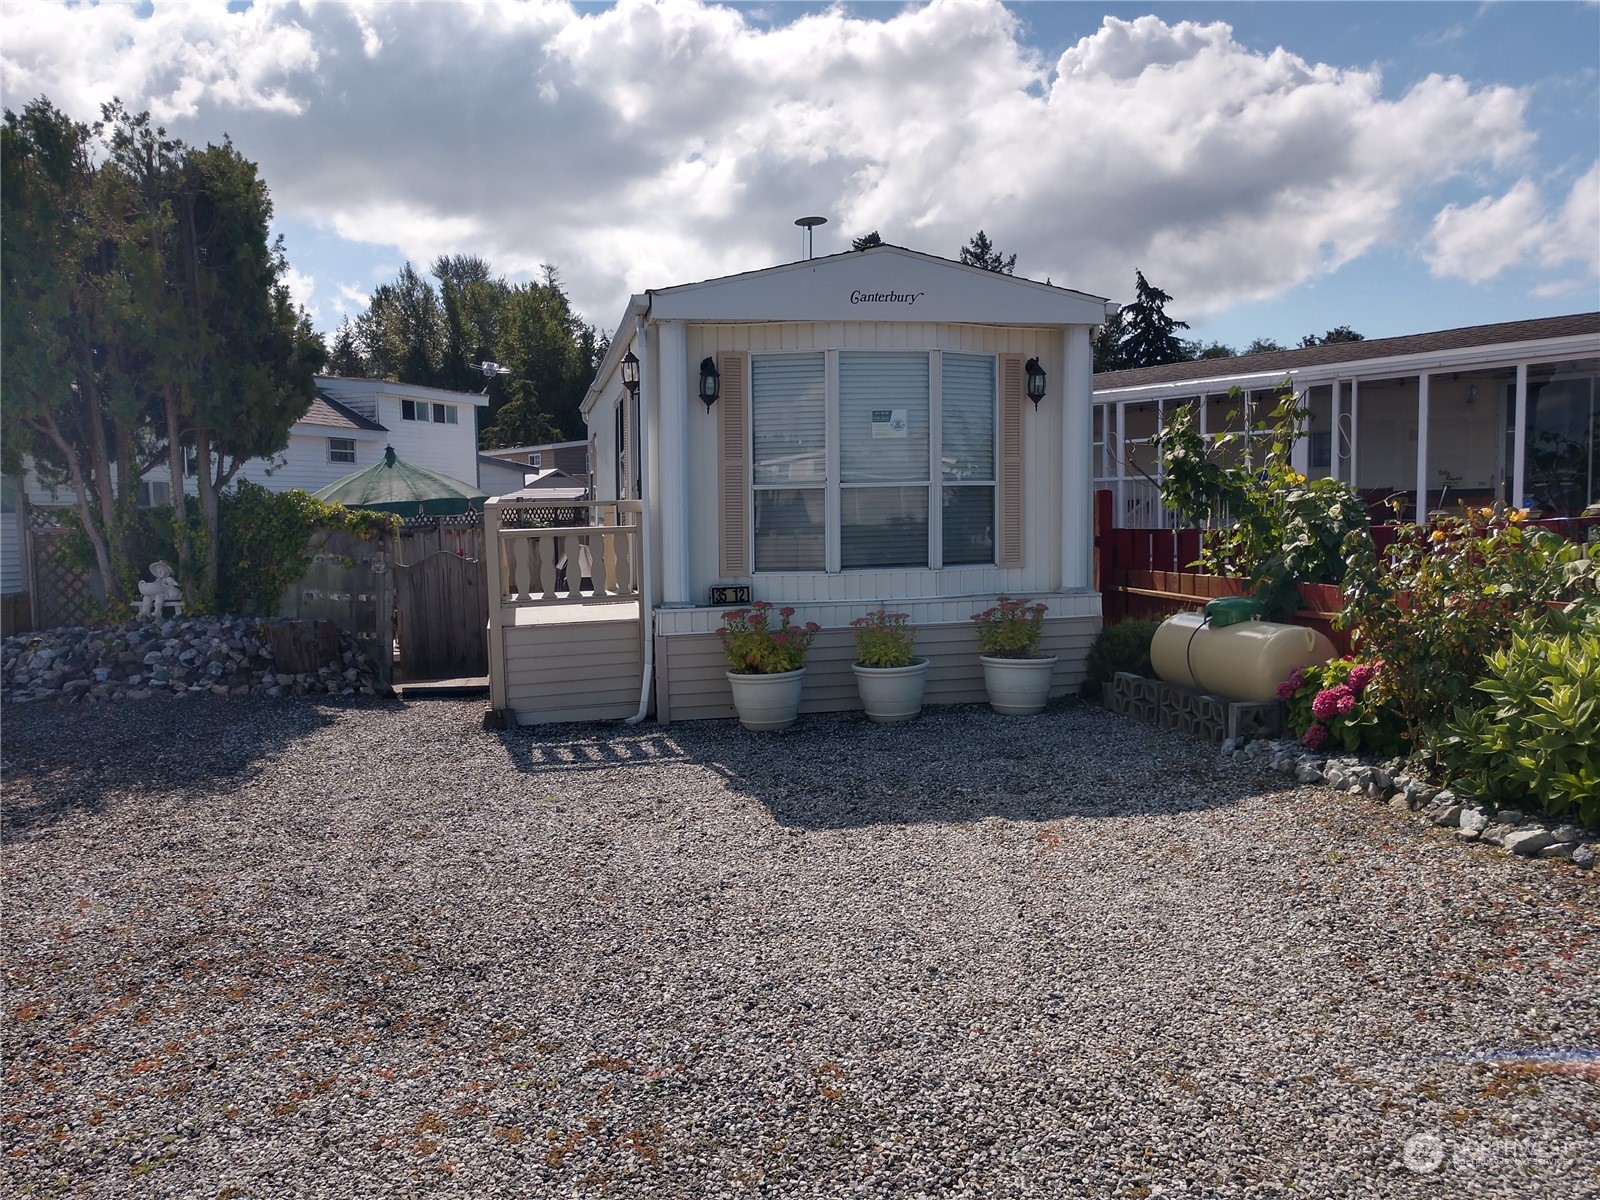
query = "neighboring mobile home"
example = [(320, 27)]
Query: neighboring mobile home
[(869, 443), (1490, 412)]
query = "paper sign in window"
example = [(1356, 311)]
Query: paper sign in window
[(889, 423)]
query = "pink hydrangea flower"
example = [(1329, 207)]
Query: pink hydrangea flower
[(1314, 736), (1286, 689), (1361, 676), (1337, 701)]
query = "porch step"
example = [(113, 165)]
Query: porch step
[(427, 689)]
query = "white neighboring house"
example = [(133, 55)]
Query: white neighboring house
[(353, 420), (345, 430)]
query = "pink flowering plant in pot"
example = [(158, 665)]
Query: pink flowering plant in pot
[(1011, 629), (755, 645), (1340, 704)]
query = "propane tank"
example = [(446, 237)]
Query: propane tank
[(1246, 661)]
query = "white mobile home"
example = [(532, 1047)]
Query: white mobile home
[(866, 441)]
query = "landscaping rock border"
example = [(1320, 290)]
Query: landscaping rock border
[(1473, 821), (220, 656)]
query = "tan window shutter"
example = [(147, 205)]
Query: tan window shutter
[(1010, 499), (733, 462)]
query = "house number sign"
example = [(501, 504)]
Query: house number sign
[(730, 595)]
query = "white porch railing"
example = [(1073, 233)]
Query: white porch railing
[(593, 563)]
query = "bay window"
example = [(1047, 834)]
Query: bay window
[(872, 459)]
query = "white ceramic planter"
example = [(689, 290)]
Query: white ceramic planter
[(891, 694), (1017, 687), (766, 702)]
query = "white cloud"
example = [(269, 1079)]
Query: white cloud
[(1478, 241), (302, 290), (655, 143)]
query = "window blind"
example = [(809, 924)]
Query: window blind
[(883, 417), (790, 418)]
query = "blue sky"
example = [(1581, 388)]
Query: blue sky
[(1279, 168)]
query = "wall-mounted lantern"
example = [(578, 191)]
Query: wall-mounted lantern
[(630, 373), (710, 382), (1035, 381)]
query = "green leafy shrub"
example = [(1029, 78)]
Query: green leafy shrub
[(1535, 742), (755, 647), (1276, 528), (1441, 598), (1011, 629), (884, 639), (1124, 646), (264, 541), (1342, 702)]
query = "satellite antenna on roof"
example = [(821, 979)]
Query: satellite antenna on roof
[(809, 224)]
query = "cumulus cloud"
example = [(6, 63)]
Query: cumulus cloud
[(302, 290), (656, 143), (1477, 242)]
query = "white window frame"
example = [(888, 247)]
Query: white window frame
[(833, 555), (340, 446)]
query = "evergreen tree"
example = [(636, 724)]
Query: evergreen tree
[(980, 252), (1149, 337), (1334, 336), (870, 239), (345, 357), (1264, 346), (1108, 354)]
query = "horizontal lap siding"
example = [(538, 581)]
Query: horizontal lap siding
[(572, 672), (693, 667)]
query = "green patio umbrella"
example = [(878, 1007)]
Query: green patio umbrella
[(397, 486)]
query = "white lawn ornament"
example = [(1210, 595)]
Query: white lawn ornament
[(164, 589)]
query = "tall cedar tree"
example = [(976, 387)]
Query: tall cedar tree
[(1149, 336), (145, 318), (980, 252)]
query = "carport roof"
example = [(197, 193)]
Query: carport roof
[(1338, 353)]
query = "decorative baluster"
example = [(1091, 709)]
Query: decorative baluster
[(625, 582), (573, 546), (519, 568), (546, 543), (608, 563)]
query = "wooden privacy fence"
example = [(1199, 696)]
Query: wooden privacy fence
[(443, 614)]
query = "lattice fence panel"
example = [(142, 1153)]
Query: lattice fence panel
[(61, 594)]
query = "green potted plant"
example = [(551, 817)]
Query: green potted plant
[(766, 663), (888, 677), (1015, 674)]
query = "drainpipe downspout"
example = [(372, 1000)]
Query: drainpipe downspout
[(647, 616)]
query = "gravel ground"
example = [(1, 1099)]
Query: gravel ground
[(275, 948)]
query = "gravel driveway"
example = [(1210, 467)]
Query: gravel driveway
[(258, 948)]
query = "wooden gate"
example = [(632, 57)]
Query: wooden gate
[(443, 612)]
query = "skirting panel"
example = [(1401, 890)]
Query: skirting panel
[(690, 681), (573, 672)]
